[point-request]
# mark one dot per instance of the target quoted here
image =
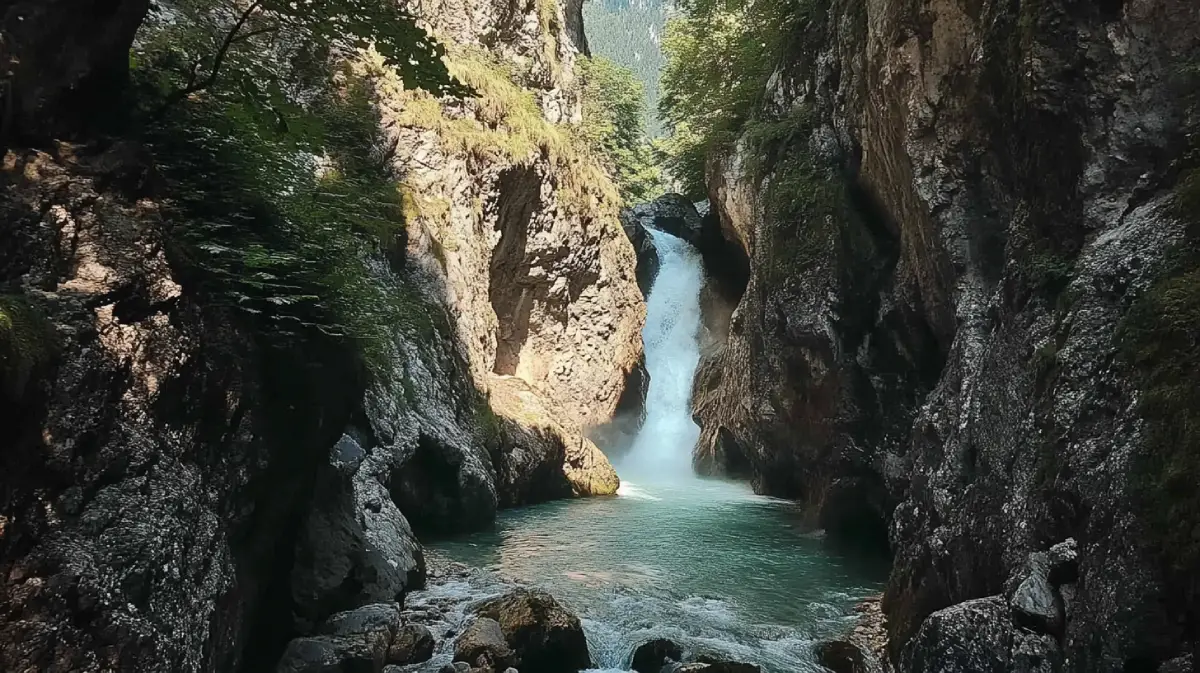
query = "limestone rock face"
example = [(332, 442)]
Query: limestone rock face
[(939, 368), (538, 275)]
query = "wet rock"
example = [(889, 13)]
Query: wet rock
[(334, 654), (482, 644), (647, 255), (412, 644), (843, 656), (650, 656), (674, 214), (380, 618), (712, 667), (546, 636)]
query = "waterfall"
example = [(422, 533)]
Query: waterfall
[(662, 450)]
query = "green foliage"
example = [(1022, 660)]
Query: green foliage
[(630, 35), (269, 51), (720, 54), (280, 226), (282, 202), (612, 126), (26, 342)]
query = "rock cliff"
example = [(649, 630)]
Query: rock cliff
[(188, 484), (937, 349)]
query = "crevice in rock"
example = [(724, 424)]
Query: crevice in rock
[(510, 289)]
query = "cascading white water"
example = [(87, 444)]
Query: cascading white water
[(662, 450), (702, 562)]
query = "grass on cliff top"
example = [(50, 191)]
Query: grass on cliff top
[(504, 123)]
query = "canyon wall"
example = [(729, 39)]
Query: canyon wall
[(954, 342), (190, 481)]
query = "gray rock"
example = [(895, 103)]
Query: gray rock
[(335, 654), (673, 214), (647, 255), (1036, 604), (377, 618), (1064, 562), (412, 644), (482, 645), (650, 656), (843, 656), (546, 636), (1177, 665), (356, 546), (971, 637)]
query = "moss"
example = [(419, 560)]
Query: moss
[(488, 424), (1047, 271), (26, 342), (1159, 338)]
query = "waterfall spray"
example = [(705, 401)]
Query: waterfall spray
[(662, 450)]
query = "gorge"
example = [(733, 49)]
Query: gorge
[(364, 335)]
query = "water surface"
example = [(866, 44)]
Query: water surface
[(705, 563)]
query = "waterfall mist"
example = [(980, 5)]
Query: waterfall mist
[(662, 449)]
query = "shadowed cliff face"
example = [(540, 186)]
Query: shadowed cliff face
[(182, 491), (938, 361), (65, 63)]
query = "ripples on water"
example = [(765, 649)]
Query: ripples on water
[(705, 563), (709, 565)]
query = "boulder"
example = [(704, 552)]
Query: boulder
[(650, 656), (412, 644), (980, 636), (381, 618), (546, 636), (843, 656), (674, 214), (482, 644), (334, 654), (1034, 602)]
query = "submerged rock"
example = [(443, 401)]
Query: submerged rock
[(651, 656), (546, 637)]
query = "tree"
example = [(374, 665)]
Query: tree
[(613, 107), (269, 49)]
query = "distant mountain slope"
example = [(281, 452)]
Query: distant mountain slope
[(629, 32)]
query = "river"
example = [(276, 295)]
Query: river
[(706, 563)]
